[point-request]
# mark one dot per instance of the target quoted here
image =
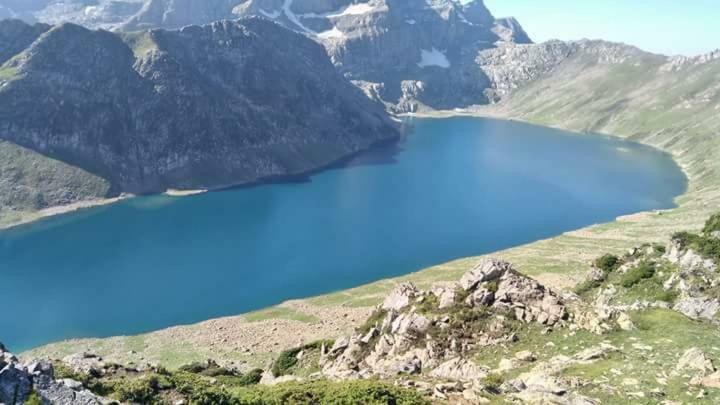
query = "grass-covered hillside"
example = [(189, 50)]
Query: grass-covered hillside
[(31, 182)]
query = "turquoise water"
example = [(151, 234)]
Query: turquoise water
[(453, 188)]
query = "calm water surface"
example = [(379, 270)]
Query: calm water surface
[(455, 187)]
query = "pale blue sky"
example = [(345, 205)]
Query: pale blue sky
[(670, 27)]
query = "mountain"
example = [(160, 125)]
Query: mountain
[(411, 55), (203, 107)]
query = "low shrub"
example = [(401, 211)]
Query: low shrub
[(373, 321), (210, 369), (707, 246), (587, 286), (685, 239), (34, 399), (429, 304), (641, 272), (138, 391), (492, 382), (289, 358), (251, 378), (608, 263), (371, 392), (712, 224)]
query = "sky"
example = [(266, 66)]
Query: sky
[(670, 27)]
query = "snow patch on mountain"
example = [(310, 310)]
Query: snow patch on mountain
[(433, 57), (334, 33)]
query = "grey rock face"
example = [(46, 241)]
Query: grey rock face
[(408, 339), (415, 54), (15, 36), (488, 269), (17, 381), (203, 107), (400, 297), (509, 65)]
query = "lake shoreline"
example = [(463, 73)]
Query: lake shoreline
[(50, 212), (465, 250)]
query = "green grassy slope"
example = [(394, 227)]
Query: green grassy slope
[(30, 182)]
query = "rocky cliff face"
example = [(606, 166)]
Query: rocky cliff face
[(35, 381), (409, 54), (203, 107)]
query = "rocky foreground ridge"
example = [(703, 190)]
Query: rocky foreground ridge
[(641, 328), (203, 107)]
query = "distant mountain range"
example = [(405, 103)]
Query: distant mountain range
[(226, 103), (409, 54)]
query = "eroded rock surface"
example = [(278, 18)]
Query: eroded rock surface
[(18, 381), (424, 331)]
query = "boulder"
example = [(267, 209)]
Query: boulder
[(696, 360), (488, 269), (480, 297), (507, 364), (400, 297), (525, 355), (87, 363), (624, 322), (687, 259), (18, 381), (15, 384), (446, 297), (711, 381), (459, 369), (594, 353), (410, 324), (698, 307)]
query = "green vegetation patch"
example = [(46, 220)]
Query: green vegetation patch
[(643, 271), (373, 321), (367, 392), (706, 246), (641, 282), (289, 361), (608, 263), (7, 72), (662, 336), (34, 399), (162, 387), (280, 313), (712, 224)]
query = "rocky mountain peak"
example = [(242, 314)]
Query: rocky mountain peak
[(235, 112), (404, 53), (510, 30)]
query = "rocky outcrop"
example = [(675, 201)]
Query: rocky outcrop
[(19, 381), (420, 332), (400, 297), (687, 259), (695, 360), (511, 65), (203, 107), (696, 274)]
